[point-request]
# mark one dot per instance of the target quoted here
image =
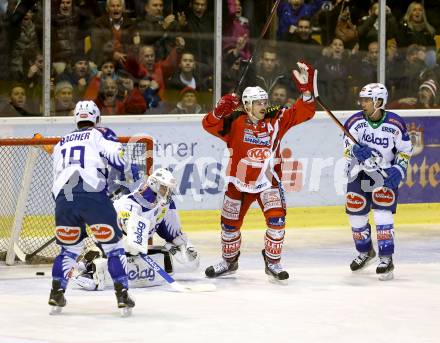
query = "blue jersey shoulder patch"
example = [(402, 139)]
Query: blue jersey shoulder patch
[(353, 119), (108, 134)]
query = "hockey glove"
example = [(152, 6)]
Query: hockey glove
[(362, 152), (305, 77), (226, 105), (394, 178)]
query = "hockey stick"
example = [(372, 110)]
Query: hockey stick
[(207, 287), (347, 132), (257, 46)]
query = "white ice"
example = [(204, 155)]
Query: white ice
[(323, 302)]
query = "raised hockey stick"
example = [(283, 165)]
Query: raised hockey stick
[(257, 46), (345, 130), (207, 287)]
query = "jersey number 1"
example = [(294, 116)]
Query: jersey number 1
[(76, 156)]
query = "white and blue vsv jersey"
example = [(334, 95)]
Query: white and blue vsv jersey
[(86, 154), (389, 138), (163, 219)]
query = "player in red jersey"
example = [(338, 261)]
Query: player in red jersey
[(253, 135)]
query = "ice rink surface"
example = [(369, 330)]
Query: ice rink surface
[(323, 302)]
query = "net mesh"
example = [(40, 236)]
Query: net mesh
[(36, 236)]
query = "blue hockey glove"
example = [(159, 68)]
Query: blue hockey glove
[(394, 178), (362, 152)]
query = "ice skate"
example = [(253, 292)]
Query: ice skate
[(363, 260), (275, 271), (385, 268), (56, 298), (223, 268), (125, 303)]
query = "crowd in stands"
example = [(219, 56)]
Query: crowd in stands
[(157, 56)]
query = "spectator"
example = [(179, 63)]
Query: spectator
[(188, 103), (434, 71), (155, 29), (415, 29), (67, 35), (33, 77), (64, 103), (365, 70), (200, 29), (107, 100), (112, 34), (279, 96), (149, 88), (405, 76), (17, 103), (426, 98), (302, 45), (190, 74), (334, 75), (78, 75), (269, 71), (368, 26), (236, 27), (160, 71), (107, 69), (290, 11), (26, 40)]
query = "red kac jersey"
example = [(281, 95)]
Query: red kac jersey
[(255, 148)]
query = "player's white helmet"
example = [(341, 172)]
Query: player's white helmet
[(375, 91), (251, 94), (163, 183), (86, 111)]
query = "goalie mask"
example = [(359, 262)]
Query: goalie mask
[(375, 91), (86, 111), (163, 183)]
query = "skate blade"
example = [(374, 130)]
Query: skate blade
[(277, 281), (55, 310), (125, 311), (386, 276)]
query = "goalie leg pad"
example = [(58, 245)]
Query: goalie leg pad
[(65, 262), (273, 244), (231, 242), (117, 263)]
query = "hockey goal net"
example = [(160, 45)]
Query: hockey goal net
[(26, 205)]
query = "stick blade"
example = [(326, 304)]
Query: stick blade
[(203, 287)]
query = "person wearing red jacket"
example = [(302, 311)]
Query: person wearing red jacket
[(253, 135)]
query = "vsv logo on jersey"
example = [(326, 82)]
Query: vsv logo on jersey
[(384, 141), (138, 274), (259, 154)]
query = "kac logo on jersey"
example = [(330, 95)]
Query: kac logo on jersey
[(384, 141), (259, 154)]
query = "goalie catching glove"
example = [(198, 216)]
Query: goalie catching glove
[(184, 253), (306, 78)]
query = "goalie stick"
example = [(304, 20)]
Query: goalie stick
[(345, 130), (207, 287)]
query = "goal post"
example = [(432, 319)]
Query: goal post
[(26, 204)]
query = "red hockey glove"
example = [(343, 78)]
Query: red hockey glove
[(226, 105), (305, 77)]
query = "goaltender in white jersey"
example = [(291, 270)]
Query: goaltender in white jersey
[(148, 209)]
